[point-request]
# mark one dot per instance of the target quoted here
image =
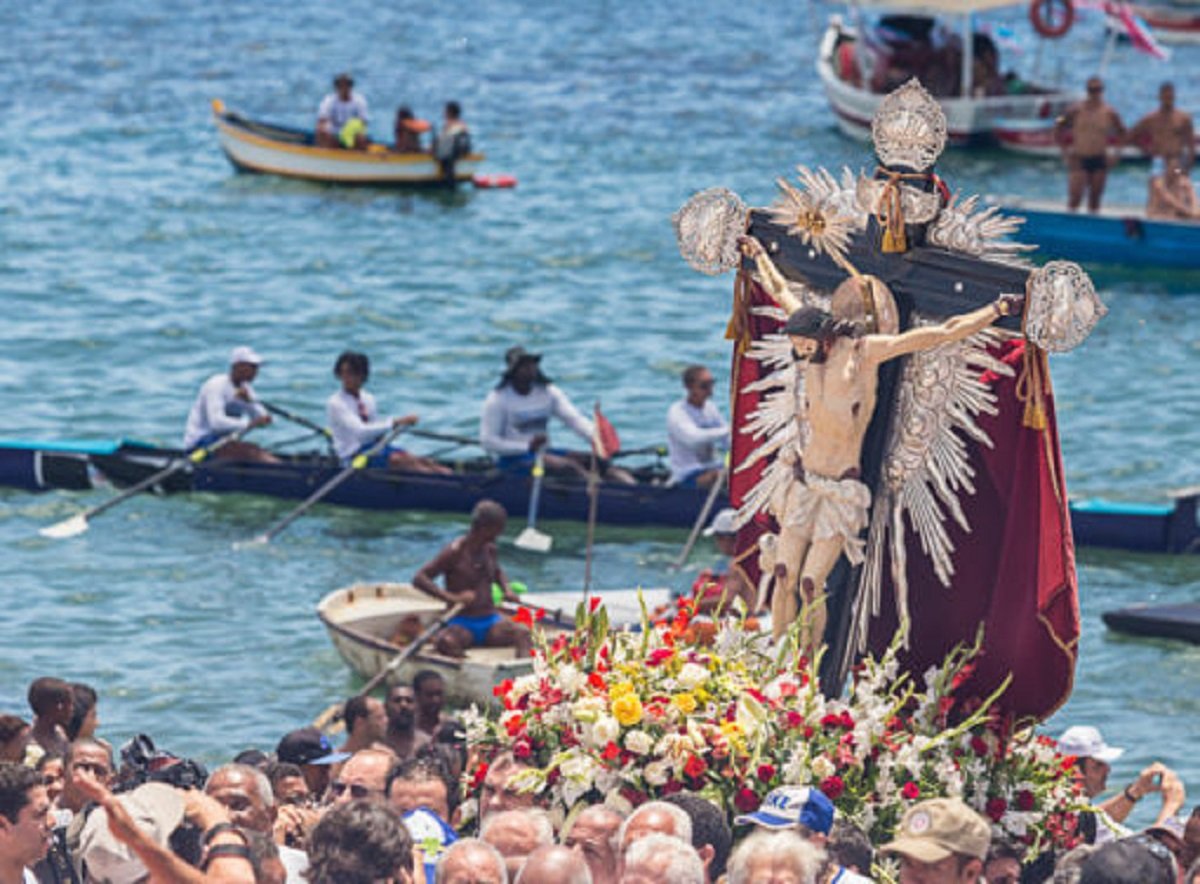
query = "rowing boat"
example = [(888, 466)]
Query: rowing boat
[(361, 620), (1116, 235), (1169, 527), (267, 148)]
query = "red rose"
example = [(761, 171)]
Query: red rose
[(695, 767), (847, 720), (833, 787), (794, 720), (611, 751), (831, 721), (1025, 800), (995, 809), (979, 746), (746, 801), (671, 788), (522, 750), (596, 681), (766, 773)]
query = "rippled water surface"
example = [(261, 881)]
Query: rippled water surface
[(132, 258)]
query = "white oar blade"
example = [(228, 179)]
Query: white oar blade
[(258, 540), (533, 540), (71, 527)]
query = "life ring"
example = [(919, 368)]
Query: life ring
[(1052, 18)]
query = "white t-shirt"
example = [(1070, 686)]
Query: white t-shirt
[(338, 113), (354, 422), (295, 862), (845, 876), (511, 420), (693, 435), (218, 409), (28, 877)]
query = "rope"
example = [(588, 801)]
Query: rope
[(889, 209)]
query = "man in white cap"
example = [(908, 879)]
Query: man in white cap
[(716, 590), (1095, 758), (226, 404), (941, 841)]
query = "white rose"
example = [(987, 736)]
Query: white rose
[(692, 675), (606, 730), (822, 767), (656, 773), (639, 742), (570, 679)]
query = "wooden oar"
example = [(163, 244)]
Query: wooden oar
[(79, 522), (700, 520), (331, 713), (531, 538), (297, 419), (358, 462), (593, 486)]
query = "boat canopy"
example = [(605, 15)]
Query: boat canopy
[(943, 7)]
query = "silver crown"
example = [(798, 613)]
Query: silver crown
[(909, 128)]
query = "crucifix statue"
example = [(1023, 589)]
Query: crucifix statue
[(869, 325)]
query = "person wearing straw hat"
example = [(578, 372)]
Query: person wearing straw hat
[(225, 404)]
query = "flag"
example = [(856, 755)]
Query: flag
[(605, 441)]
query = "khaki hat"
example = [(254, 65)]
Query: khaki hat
[(157, 809), (933, 830)]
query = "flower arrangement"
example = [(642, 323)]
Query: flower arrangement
[(626, 716)]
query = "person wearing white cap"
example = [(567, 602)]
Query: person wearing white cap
[(715, 590), (225, 405), (695, 429), (1095, 758)]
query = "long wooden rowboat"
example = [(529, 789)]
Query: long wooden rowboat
[(1116, 235), (1169, 527), (1157, 621), (361, 619), (265, 148)]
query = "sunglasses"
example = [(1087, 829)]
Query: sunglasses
[(357, 790)]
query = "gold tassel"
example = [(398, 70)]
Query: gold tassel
[(889, 212), (1031, 386)]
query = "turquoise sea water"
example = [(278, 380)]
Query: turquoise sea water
[(132, 258)]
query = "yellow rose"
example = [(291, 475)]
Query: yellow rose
[(627, 709), (685, 703), (620, 690)]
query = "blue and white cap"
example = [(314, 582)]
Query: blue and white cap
[(789, 806), (432, 837)]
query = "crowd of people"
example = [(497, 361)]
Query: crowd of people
[(1092, 134), (406, 799), (343, 121), (514, 426)]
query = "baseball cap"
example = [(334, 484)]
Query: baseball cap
[(1084, 741), (308, 746), (1172, 826), (933, 830), (244, 354), (788, 806), (722, 523), (431, 835), (156, 808)]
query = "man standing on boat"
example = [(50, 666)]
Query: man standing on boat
[(516, 416), (695, 428), (342, 117), (226, 404), (470, 565), (1093, 126), (1167, 133)]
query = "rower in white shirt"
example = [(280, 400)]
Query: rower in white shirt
[(356, 425), (516, 419), (695, 430), (226, 404)]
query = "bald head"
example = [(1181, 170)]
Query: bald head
[(656, 818), (516, 834), (594, 836), (554, 865)]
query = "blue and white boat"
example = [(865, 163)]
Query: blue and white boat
[(1116, 235)]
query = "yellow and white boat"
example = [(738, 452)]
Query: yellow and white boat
[(265, 148)]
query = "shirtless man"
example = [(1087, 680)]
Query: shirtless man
[(1171, 196), (1167, 132), (1092, 123), (825, 509), (470, 565)]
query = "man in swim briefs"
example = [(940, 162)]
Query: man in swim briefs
[(1093, 125), (470, 565)]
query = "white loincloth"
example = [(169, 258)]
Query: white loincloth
[(823, 509)]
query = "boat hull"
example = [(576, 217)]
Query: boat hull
[(267, 149), (970, 121), (1171, 24), (1181, 622), (1166, 528), (360, 618), (1114, 236)]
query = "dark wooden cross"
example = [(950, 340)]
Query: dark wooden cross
[(931, 281)]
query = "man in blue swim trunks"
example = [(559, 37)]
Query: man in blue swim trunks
[(470, 565)]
